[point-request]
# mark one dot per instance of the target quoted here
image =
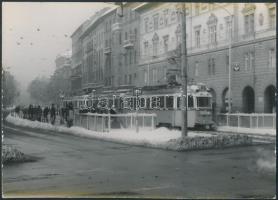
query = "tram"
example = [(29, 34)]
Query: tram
[(166, 102)]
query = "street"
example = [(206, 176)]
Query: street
[(71, 166)]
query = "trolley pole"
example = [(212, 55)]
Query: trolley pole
[(184, 71)]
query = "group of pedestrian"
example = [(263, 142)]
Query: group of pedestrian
[(37, 113)]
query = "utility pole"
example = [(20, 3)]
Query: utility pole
[(183, 72), (230, 65)]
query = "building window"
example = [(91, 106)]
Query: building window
[(125, 79), (272, 17), (252, 60), (165, 13), (166, 43), (197, 8), (204, 6), (120, 38), (249, 24), (125, 59), (155, 44), (154, 75), (228, 21), (130, 57), (146, 25), (197, 37), (271, 58), (249, 61), (135, 34), (246, 61), (211, 66), (212, 28), (145, 76), (130, 79), (146, 46), (173, 16), (212, 34), (196, 68), (135, 61), (155, 21)]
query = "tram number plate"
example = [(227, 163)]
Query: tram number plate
[(204, 113)]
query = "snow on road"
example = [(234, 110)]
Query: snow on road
[(156, 138)]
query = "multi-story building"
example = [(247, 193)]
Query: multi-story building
[(76, 72), (121, 30), (92, 39), (160, 35), (142, 48), (253, 50)]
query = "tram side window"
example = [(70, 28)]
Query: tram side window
[(148, 103), (142, 102), (95, 103), (190, 101), (89, 103), (169, 102), (161, 102), (154, 102), (110, 103), (135, 103)]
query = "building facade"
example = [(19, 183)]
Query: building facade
[(140, 46), (76, 74), (208, 29)]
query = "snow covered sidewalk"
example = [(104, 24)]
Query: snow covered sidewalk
[(255, 131), (158, 138)]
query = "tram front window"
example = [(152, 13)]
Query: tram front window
[(203, 102)]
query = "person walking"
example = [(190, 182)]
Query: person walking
[(70, 115), (52, 114), (30, 112), (39, 113), (45, 114)]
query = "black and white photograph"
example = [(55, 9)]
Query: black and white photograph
[(155, 100)]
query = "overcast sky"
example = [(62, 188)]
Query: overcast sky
[(33, 34)]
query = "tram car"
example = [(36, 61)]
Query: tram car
[(164, 101), (167, 104)]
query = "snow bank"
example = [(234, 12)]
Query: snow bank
[(154, 138), (158, 138), (12, 155), (258, 131)]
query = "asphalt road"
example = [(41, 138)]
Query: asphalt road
[(71, 166)]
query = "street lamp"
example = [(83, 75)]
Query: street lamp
[(230, 64)]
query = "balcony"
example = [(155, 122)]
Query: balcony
[(107, 50), (116, 26), (129, 43)]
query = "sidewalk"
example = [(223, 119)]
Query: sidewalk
[(255, 131)]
